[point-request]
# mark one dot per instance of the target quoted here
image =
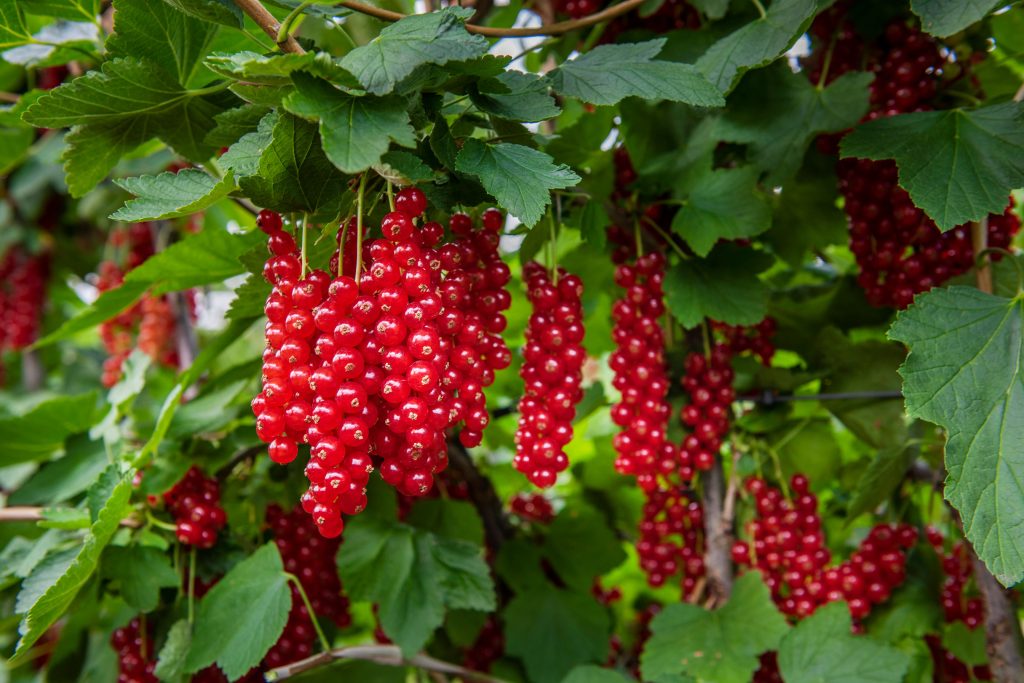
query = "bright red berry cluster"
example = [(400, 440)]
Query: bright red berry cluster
[(552, 371), (788, 545), (149, 324), (195, 503), (900, 251), (136, 659), (385, 366), (22, 296), (672, 538), (957, 605), (532, 507), (642, 448)]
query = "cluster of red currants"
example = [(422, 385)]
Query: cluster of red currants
[(957, 605), (312, 559), (149, 324), (788, 545), (385, 363), (672, 538), (552, 371), (670, 15), (900, 251), (136, 660), (488, 647), (642, 447), (22, 296), (195, 503), (532, 507)]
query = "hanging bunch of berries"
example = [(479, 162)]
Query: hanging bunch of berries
[(195, 503), (136, 656), (378, 362), (23, 279), (552, 371)]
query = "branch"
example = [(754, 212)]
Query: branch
[(979, 241), (482, 494), (556, 29), (35, 514), (387, 655), (717, 536), (1003, 640), (266, 21)]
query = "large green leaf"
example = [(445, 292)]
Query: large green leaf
[(520, 178), (778, 113), (75, 10), (553, 630), (92, 151), (943, 18), (413, 575), (958, 165), (171, 195), (580, 545), (220, 11), (590, 673), (724, 287), (356, 131), (294, 173), (515, 96), (806, 216), (242, 617), (821, 648), (722, 204), (964, 373), (721, 645), (141, 573), (883, 476), (432, 38), (13, 31), (14, 144), (757, 43), (610, 73), (40, 433), (58, 597), (153, 30), (254, 68)]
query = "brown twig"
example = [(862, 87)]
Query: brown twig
[(387, 655), (979, 241), (497, 528), (9, 97), (556, 29), (717, 536), (255, 10), (35, 514)]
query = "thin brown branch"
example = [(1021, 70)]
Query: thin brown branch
[(387, 655), (35, 514), (482, 494), (11, 97), (255, 10), (979, 241), (1003, 640), (556, 29), (717, 536)]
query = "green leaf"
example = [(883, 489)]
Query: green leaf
[(806, 217), (515, 96), (170, 663), (821, 648), (40, 433), (153, 30), (58, 597), (43, 576), (757, 43), (235, 123), (254, 68), (966, 644), (242, 617), (943, 18), (64, 518), (883, 476), (136, 95), (92, 151), (243, 157), (449, 518), (356, 131), (141, 573), (13, 31), (219, 11), (778, 113), (406, 164), (712, 9), (580, 545), (721, 645), (723, 287), (432, 38), (66, 477), (594, 222), (14, 143), (518, 177), (294, 173), (75, 10), (721, 204), (595, 674), (413, 576), (109, 304), (171, 195), (958, 165), (964, 374), (608, 74), (554, 630), (250, 298)]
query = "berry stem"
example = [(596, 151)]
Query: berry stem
[(552, 250), (668, 238), (305, 262), (639, 239), (760, 8), (391, 196), (192, 585), (827, 63), (284, 32), (341, 248), (159, 523), (359, 226), (324, 643)]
